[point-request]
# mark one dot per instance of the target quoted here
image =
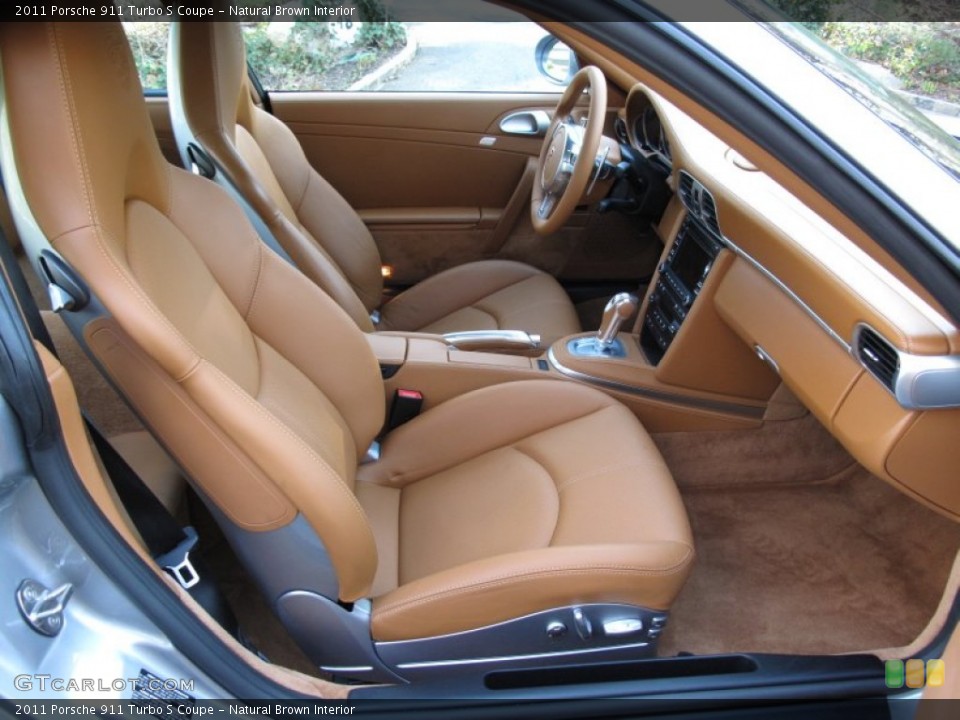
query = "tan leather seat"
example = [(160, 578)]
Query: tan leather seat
[(211, 105), (516, 499)]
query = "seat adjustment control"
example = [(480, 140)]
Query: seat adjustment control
[(625, 626), (582, 623), (556, 629)]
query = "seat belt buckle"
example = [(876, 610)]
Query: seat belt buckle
[(406, 406), (177, 561)]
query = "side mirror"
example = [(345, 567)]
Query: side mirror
[(555, 61)]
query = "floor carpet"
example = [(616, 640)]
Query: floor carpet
[(827, 568)]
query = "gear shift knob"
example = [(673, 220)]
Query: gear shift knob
[(620, 307)]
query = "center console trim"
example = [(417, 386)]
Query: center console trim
[(723, 406)]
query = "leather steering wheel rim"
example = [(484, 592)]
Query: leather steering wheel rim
[(559, 184)]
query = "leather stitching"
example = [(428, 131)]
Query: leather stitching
[(556, 487), (67, 99), (256, 283), (565, 485), (449, 592), (421, 473)]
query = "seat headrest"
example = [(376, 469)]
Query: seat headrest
[(78, 122)]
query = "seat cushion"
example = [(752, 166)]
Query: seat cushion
[(518, 498), (485, 295)]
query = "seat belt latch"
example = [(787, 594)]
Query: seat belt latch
[(406, 406), (177, 561)]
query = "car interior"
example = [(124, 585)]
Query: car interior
[(446, 400)]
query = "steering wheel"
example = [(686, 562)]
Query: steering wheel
[(569, 152)]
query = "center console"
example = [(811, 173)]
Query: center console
[(681, 278)]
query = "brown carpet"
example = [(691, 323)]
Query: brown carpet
[(779, 453), (828, 568)]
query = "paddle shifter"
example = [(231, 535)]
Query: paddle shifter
[(606, 344)]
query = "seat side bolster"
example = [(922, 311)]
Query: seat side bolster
[(329, 220), (297, 469), (310, 330), (252, 174), (509, 586)]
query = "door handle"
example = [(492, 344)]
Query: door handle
[(533, 123)]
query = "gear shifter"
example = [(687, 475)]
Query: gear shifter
[(620, 307), (605, 343)]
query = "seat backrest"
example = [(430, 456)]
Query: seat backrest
[(262, 388), (211, 104)]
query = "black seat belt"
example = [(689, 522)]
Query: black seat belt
[(169, 544)]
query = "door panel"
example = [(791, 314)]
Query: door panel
[(440, 184), (412, 150)]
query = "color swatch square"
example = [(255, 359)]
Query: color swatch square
[(894, 673), (936, 673), (915, 673)]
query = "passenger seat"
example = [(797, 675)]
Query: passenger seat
[(525, 524)]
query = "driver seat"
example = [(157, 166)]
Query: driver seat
[(212, 107)]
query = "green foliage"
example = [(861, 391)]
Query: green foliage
[(295, 61), (924, 56), (298, 56), (148, 40), (811, 13), (377, 30), (381, 35)]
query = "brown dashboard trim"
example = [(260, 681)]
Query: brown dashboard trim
[(740, 252), (937, 335)]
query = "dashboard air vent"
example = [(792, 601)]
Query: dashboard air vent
[(686, 191), (620, 129), (699, 202), (878, 356), (708, 212)]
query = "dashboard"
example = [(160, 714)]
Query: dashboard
[(745, 261)]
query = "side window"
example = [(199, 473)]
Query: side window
[(148, 40), (398, 57)]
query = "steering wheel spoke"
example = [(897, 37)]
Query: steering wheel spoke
[(547, 204)]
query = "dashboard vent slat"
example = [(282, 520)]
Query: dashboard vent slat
[(708, 211), (620, 129), (686, 190), (878, 356), (700, 203)]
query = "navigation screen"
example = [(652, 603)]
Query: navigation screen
[(690, 262)]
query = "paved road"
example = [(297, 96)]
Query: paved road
[(473, 57)]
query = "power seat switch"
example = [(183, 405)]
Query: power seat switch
[(406, 406)]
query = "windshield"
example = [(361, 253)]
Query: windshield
[(885, 102)]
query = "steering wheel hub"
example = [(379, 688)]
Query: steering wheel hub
[(561, 158)]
